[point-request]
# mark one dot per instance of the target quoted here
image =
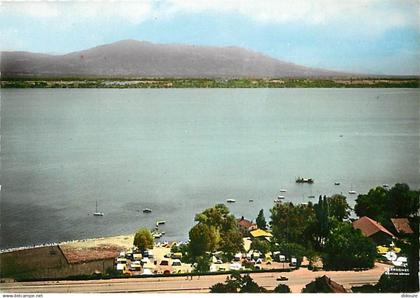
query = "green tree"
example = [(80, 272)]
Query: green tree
[(374, 204), (143, 239), (260, 245), (347, 248), (290, 223), (282, 288), (238, 284), (338, 207), (217, 229), (231, 243), (395, 284), (203, 239), (320, 226), (261, 223), (203, 264), (381, 204), (402, 201)]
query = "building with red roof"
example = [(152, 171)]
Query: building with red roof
[(402, 225), (245, 226), (373, 229)]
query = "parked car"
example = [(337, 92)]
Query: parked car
[(176, 262), (164, 263)]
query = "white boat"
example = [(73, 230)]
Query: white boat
[(281, 197), (97, 213), (157, 235), (351, 191), (337, 183), (160, 222), (385, 185), (231, 200), (283, 190), (147, 210)]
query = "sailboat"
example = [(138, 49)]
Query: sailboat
[(97, 213), (351, 191)]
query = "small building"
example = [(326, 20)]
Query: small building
[(374, 230), (245, 226), (261, 234), (402, 226)]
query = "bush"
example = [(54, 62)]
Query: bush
[(282, 288)]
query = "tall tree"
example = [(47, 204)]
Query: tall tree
[(374, 204), (216, 229), (290, 223), (347, 248), (203, 238), (261, 223), (338, 207), (143, 239), (402, 201)]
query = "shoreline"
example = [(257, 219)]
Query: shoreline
[(109, 239), (144, 83)]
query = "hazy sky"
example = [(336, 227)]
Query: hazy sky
[(371, 36)]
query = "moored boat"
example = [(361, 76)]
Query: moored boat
[(231, 200), (147, 210), (304, 180), (97, 213)]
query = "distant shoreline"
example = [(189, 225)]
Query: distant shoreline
[(128, 83)]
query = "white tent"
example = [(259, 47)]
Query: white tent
[(120, 267), (147, 271)]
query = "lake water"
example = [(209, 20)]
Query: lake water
[(178, 151)]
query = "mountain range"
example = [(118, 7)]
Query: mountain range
[(132, 58)]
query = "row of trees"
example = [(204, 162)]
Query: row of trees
[(381, 205), (321, 230)]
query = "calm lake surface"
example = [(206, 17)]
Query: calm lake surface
[(178, 151)]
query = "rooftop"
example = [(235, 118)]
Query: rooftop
[(402, 225), (245, 223), (260, 233), (370, 227)]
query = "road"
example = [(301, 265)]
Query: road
[(297, 280)]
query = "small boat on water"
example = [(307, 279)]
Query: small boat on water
[(281, 197), (336, 183), (351, 191), (283, 190), (311, 197), (97, 213), (157, 235), (160, 222), (385, 185), (147, 210), (278, 201), (251, 200), (231, 200), (304, 180)]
